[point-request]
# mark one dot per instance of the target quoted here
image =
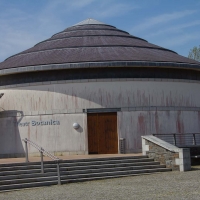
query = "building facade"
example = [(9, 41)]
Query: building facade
[(111, 84)]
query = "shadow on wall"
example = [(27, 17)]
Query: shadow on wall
[(10, 139), (79, 129), (104, 94)]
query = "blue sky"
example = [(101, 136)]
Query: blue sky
[(173, 24)]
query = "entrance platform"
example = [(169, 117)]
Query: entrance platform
[(69, 157)]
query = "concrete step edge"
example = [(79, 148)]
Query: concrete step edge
[(24, 176), (110, 165), (104, 158), (2, 169), (27, 185), (115, 173), (72, 161), (107, 161), (28, 180), (21, 172), (106, 177), (88, 171)]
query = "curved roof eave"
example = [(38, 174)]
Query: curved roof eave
[(98, 65)]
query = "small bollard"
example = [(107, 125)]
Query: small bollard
[(58, 171), (174, 135), (42, 163), (26, 149), (194, 139)]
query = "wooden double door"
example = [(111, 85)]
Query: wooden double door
[(102, 133)]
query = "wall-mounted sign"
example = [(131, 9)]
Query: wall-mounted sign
[(39, 123)]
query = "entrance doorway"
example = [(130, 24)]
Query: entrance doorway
[(102, 133)]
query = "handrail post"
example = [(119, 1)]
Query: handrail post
[(58, 171), (194, 139), (174, 139), (26, 150), (42, 163)]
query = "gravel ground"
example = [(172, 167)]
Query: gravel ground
[(167, 185)]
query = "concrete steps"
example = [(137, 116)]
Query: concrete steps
[(26, 175), (114, 175)]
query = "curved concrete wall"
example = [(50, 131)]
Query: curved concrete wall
[(101, 94), (147, 106), (134, 124)]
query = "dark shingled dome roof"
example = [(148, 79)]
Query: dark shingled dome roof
[(93, 41)]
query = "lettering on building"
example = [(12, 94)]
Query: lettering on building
[(39, 123)]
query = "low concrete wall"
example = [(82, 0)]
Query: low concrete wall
[(173, 157)]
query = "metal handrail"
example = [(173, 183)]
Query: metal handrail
[(187, 138), (39, 148), (42, 152)]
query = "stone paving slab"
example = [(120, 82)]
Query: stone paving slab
[(69, 157), (168, 185)]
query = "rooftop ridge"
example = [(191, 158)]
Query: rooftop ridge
[(87, 29), (89, 21)]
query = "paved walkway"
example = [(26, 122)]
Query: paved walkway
[(168, 185), (69, 157)]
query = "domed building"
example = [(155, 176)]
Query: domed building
[(87, 88)]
